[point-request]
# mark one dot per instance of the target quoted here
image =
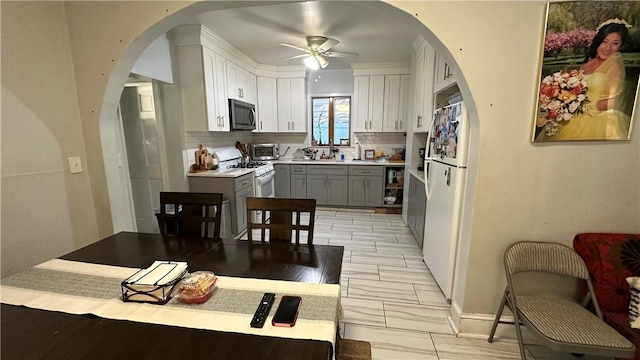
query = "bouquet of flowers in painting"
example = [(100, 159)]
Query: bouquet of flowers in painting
[(562, 95)]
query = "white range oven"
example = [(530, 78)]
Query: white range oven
[(264, 181)]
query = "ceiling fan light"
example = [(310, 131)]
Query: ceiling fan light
[(322, 61), (312, 63)]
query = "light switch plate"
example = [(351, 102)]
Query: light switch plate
[(75, 164)]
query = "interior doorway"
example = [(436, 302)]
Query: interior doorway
[(144, 140)]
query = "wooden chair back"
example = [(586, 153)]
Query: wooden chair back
[(282, 217), (190, 214)]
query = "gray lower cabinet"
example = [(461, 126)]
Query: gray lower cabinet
[(317, 188), (298, 181), (241, 208), (416, 208), (328, 184), (282, 180), (338, 189), (366, 186), (235, 189)]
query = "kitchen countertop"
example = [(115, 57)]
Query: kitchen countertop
[(239, 172), (338, 162), (418, 174), (218, 173)]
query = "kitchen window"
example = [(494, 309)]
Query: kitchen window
[(331, 119)]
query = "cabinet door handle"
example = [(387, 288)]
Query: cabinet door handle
[(293, 126), (396, 124), (400, 128), (446, 70), (419, 120), (260, 124), (288, 125)]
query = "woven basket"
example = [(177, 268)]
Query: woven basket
[(354, 350)]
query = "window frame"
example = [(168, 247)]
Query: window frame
[(331, 119)]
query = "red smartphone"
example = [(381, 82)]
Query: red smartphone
[(287, 312)]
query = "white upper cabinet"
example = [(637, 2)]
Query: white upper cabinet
[(443, 76), (241, 84), (380, 103), (267, 106), (291, 105), (423, 90), (396, 89), (368, 97), (203, 90)]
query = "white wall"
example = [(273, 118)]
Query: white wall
[(46, 210), (330, 82)]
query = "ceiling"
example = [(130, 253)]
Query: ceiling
[(364, 27)]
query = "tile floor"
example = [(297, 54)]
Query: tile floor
[(390, 298)]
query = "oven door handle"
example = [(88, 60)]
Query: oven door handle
[(266, 178)]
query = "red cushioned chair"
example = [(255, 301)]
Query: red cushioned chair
[(611, 258)]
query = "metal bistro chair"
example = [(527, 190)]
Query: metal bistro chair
[(276, 215), (559, 323), (190, 214)]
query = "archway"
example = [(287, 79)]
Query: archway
[(124, 65)]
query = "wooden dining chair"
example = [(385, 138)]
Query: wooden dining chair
[(276, 221), (190, 214)]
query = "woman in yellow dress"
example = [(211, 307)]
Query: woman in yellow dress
[(603, 71)]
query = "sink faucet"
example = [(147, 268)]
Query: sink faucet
[(331, 149)]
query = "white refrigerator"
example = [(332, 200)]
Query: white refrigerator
[(445, 176)]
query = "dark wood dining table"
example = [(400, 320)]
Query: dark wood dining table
[(28, 333)]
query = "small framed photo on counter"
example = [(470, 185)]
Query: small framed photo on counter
[(369, 154)]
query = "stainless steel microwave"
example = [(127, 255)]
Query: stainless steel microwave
[(242, 115), (265, 151)]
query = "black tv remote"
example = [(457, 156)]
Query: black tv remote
[(263, 309)]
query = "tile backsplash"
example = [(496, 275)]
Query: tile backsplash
[(290, 142)]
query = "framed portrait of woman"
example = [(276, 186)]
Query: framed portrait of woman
[(588, 75)]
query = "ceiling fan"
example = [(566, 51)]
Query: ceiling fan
[(317, 51)]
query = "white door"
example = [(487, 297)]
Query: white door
[(267, 105), (376, 102), (298, 105), (391, 119), (360, 106), (143, 153)]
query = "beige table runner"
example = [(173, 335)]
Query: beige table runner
[(84, 288)]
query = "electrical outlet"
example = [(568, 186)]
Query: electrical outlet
[(75, 164)]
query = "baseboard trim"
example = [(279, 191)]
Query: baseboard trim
[(478, 326)]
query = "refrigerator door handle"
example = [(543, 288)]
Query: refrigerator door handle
[(428, 159), (427, 191)]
